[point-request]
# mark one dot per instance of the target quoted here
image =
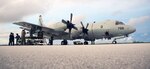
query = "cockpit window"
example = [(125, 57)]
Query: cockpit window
[(119, 23)]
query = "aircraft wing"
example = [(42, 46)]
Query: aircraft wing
[(47, 31)]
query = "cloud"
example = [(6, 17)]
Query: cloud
[(127, 39), (4, 35), (139, 20), (145, 34), (78, 19), (13, 10), (103, 4)]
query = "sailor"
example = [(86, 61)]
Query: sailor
[(17, 39), (11, 39), (23, 41)]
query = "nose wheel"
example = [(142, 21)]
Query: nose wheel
[(114, 41)]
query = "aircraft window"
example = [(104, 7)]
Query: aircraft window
[(119, 23)]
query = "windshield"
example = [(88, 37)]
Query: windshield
[(119, 23)]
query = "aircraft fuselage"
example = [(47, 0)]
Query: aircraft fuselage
[(107, 29)]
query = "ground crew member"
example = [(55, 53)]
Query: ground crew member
[(11, 39), (23, 41), (17, 39)]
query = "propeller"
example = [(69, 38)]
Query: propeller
[(84, 29), (69, 24)]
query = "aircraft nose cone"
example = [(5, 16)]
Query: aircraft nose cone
[(132, 29)]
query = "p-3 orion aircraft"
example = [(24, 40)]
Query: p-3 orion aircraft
[(66, 30)]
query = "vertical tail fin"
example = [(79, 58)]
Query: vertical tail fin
[(40, 20)]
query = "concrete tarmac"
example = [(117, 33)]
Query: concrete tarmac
[(105, 56)]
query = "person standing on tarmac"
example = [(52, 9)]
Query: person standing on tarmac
[(11, 39), (23, 41), (10, 42), (17, 39)]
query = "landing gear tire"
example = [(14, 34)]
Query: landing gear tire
[(86, 43), (64, 42), (114, 42), (51, 40)]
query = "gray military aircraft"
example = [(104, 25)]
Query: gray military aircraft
[(68, 31)]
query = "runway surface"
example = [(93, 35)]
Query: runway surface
[(106, 56)]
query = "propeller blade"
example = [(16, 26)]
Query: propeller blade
[(87, 25), (82, 24), (75, 28), (71, 15), (63, 21)]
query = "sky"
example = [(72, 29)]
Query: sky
[(131, 12)]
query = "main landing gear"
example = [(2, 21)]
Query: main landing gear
[(86, 43), (64, 42), (83, 43)]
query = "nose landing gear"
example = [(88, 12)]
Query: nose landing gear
[(114, 41)]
